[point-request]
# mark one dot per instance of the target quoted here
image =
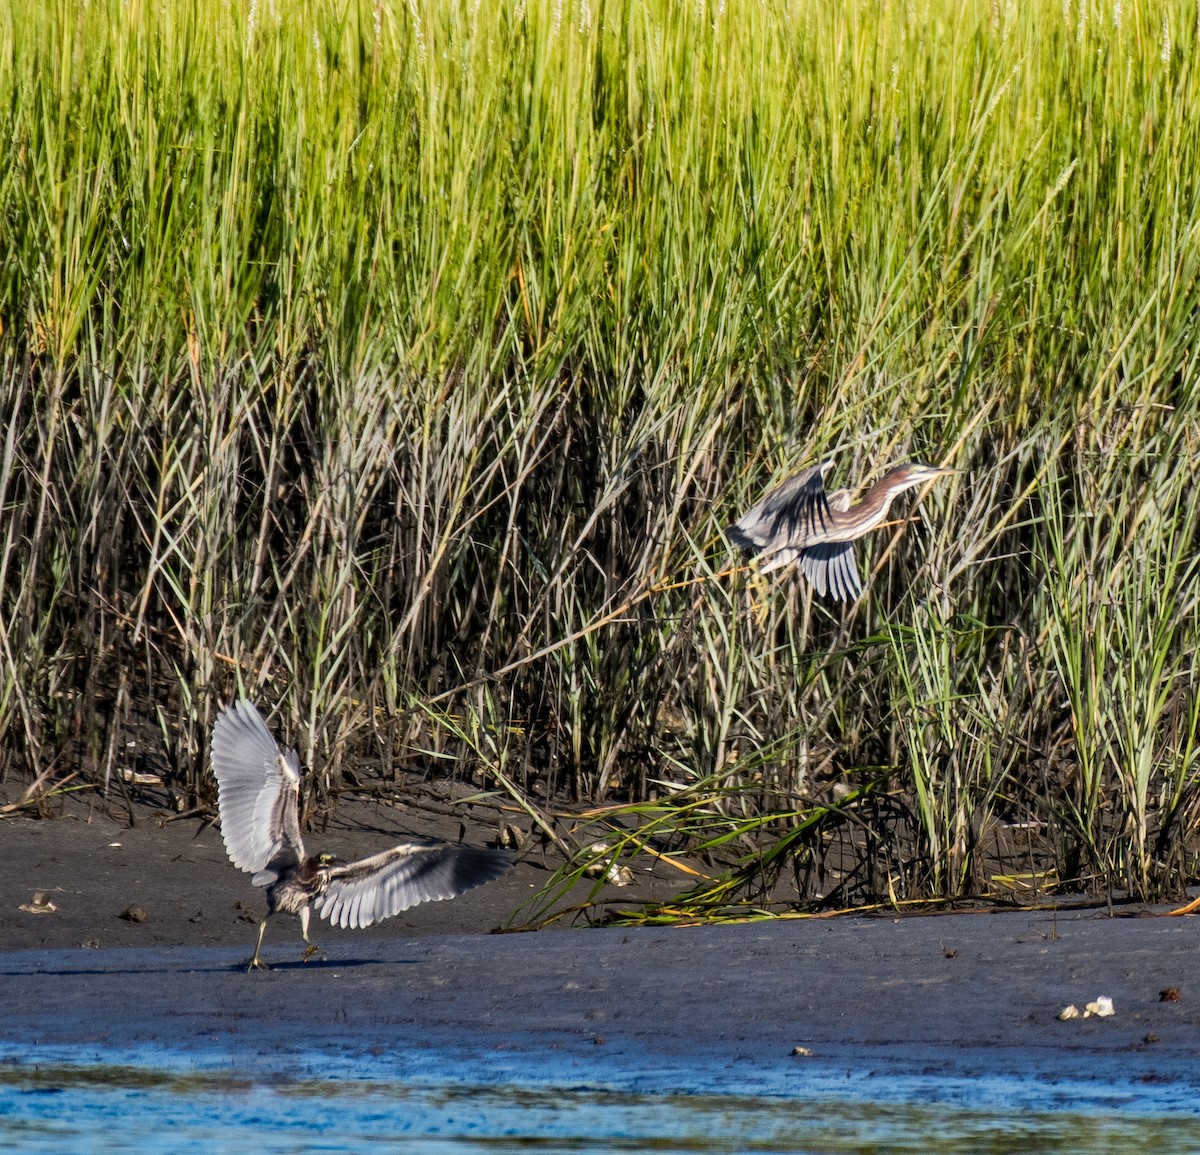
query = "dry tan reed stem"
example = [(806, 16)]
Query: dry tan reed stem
[(590, 628)]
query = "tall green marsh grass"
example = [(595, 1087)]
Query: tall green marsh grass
[(352, 352)]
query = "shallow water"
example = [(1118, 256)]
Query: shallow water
[(650, 1042), (173, 1101)]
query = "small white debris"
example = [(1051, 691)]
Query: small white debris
[(619, 875), (1101, 1008), (137, 779), (599, 850), (610, 871), (40, 904), (802, 1052)]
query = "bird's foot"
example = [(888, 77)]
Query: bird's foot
[(256, 964), (760, 594), (310, 950)]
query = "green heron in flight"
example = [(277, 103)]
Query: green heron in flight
[(799, 521), (258, 795)]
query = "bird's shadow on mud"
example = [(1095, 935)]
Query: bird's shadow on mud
[(222, 968), (328, 964)]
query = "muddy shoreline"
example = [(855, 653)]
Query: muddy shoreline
[(947, 999), (940, 998), (92, 866)]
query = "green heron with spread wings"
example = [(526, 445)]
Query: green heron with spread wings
[(799, 522), (258, 797)]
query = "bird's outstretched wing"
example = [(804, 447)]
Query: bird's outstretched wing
[(258, 790), (830, 568), (375, 888), (792, 514)]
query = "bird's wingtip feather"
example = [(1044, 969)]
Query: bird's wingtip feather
[(739, 539)]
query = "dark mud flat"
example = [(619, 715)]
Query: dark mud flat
[(923, 1034), (93, 866), (960, 1005)]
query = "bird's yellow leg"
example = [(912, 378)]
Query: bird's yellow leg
[(1191, 908), (760, 593), (311, 947), (257, 964)]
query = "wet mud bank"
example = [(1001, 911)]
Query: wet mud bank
[(956, 1005)]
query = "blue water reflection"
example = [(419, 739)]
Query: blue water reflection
[(179, 1103)]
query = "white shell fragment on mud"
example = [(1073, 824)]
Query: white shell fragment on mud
[(612, 872), (598, 867), (619, 875), (40, 903), (1100, 1008)]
